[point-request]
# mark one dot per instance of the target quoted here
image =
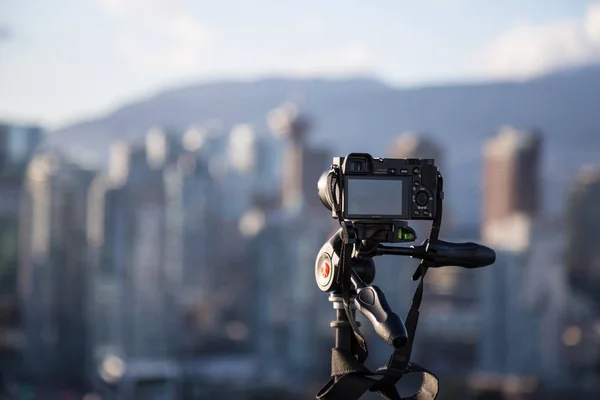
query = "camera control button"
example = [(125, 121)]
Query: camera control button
[(417, 183), (416, 170), (422, 198), (392, 171), (416, 212), (404, 171)]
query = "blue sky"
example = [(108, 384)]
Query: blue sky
[(63, 60)]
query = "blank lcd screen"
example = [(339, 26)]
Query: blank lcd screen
[(373, 197)]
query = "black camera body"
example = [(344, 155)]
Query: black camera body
[(383, 189)]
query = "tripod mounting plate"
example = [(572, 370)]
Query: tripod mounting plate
[(392, 231)]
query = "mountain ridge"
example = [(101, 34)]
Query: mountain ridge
[(365, 113)]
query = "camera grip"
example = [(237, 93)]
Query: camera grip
[(371, 302)]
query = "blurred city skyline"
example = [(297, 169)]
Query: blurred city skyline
[(159, 219), (65, 60), (103, 256)]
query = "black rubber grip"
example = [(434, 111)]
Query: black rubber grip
[(467, 255), (371, 302)]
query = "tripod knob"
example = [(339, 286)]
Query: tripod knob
[(327, 265), (371, 302)]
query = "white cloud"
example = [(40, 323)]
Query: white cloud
[(310, 59), (529, 50), (163, 38), (349, 59), (354, 56), (592, 22), (159, 34)]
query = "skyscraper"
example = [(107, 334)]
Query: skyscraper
[(17, 146), (169, 284), (135, 232), (582, 259), (302, 164), (524, 303), (511, 176), (416, 145), (524, 294), (52, 273), (299, 229), (583, 233)]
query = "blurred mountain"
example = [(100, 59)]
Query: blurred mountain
[(364, 114)]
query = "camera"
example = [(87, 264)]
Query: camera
[(381, 189)]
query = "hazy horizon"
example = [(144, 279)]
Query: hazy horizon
[(156, 92), (64, 60)]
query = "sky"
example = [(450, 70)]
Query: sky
[(67, 60)]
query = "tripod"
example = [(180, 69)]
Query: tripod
[(350, 378)]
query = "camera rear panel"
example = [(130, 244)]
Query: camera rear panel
[(388, 188)]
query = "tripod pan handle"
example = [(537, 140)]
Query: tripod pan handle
[(466, 255), (371, 302)]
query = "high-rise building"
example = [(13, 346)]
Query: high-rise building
[(163, 147), (292, 315), (298, 228), (582, 259), (52, 272), (524, 295), (583, 232), (136, 265), (512, 176), (511, 186), (416, 145), (268, 251), (17, 146), (213, 268), (509, 336), (315, 161), (524, 303), (251, 171), (547, 295), (302, 164), (169, 284)]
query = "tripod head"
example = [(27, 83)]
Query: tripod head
[(369, 299), (370, 235)]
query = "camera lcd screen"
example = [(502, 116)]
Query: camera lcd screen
[(374, 197)]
